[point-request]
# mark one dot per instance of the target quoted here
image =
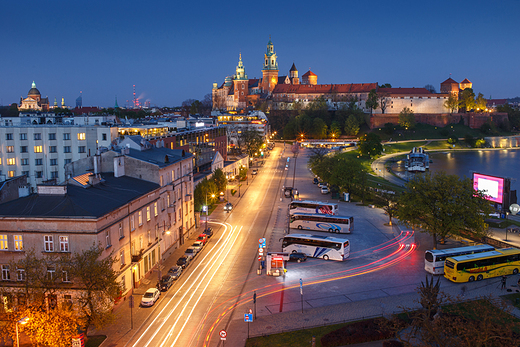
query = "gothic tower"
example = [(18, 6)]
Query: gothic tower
[(270, 70), (240, 84), (293, 75)]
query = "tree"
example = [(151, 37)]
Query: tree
[(320, 128), (251, 140), (99, 287), (407, 118), (467, 100), (480, 103), (220, 180), (351, 125), (452, 103), (203, 193), (383, 102), (370, 144), (386, 85), (443, 205), (371, 102), (430, 88), (335, 130), (390, 209)]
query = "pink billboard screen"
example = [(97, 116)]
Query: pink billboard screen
[(492, 186)]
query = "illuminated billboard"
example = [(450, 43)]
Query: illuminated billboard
[(493, 187)]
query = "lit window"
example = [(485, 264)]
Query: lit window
[(121, 234), (156, 212), (38, 149), (148, 213), (18, 242), (122, 257), (107, 236), (11, 174), (3, 243), (64, 243), (11, 161), (10, 149), (48, 243), (81, 136), (140, 217), (132, 222)]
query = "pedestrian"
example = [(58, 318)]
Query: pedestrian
[(463, 291), (504, 279)]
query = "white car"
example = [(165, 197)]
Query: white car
[(150, 297), (191, 252), (324, 190), (198, 245)]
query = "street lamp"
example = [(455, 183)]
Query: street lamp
[(212, 196), (22, 321)]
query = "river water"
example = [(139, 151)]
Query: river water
[(501, 163)]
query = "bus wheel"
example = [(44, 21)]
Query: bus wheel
[(325, 257), (480, 278), (337, 231), (300, 227), (515, 271), (471, 278), (331, 230)]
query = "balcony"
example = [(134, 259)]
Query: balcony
[(137, 257)]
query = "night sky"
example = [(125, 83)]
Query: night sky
[(175, 50)]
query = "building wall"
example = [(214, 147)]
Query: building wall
[(418, 104), (473, 120)]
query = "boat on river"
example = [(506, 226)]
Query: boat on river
[(417, 160)]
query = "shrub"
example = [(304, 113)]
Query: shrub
[(453, 140), (388, 128), (358, 332), (444, 131)]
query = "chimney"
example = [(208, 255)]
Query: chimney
[(97, 161), (119, 166)]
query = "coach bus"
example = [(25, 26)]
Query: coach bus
[(434, 259), (308, 206), (471, 267), (317, 246), (322, 222)]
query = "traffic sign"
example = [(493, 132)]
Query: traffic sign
[(222, 334), (301, 287), (259, 258), (261, 240), (248, 317), (260, 250)]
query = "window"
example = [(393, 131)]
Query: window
[(132, 222), (52, 136), (65, 276), (141, 246), (140, 217), (5, 273), (104, 137), (38, 162), (51, 273), (9, 136), (11, 161), (121, 233), (20, 274), (38, 149), (67, 302), (23, 136), (11, 174), (18, 242), (68, 161), (107, 236), (54, 162), (148, 213), (156, 212), (66, 136), (37, 136), (54, 174), (23, 149), (123, 284), (122, 257), (81, 136), (3, 243), (53, 149), (38, 174), (149, 237), (66, 149), (9, 149), (24, 161), (26, 173), (81, 149), (64, 243), (48, 243)]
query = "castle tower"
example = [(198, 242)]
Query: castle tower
[(240, 85), (293, 75), (62, 102), (465, 84), (310, 78), (270, 69)]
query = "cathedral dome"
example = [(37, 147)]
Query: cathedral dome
[(33, 90)]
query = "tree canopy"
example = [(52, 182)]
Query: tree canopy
[(407, 118), (443, 205), (370, 144)]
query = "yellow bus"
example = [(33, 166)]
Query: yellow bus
[(471, 267)]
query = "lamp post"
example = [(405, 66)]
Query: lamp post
[(22, 321), (212, 196)]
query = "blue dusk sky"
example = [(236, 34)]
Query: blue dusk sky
[(175, 50)]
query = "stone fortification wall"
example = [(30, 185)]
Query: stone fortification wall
[(473, 120)]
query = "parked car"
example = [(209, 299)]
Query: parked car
[(203, 238), (208, 231), (228, 207), (175, 272), (166, 282), (150, 297), (297, 256), (183, 261), (191, 252), (255, 171), (315, 181), (198, 245), (322, 184), (324, 190)]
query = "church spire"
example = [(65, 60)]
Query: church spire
[(33, 85), (270, 62), (240, 70)]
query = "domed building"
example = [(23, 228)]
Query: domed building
[(34, 100)]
